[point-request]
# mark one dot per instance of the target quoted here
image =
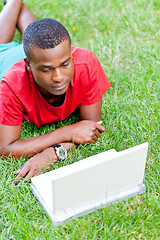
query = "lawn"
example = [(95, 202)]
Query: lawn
[(125, 36)]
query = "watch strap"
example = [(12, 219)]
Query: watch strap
[(56, 145)]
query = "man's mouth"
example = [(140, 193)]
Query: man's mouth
[(59, 87)]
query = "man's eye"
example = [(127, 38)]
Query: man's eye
[(65, 65), (46, 70)]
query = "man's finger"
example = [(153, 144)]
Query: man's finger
[(91, 141), (20, 175), (33, 173), (94, 138), (19, 169), (100, 127), (97, 133)]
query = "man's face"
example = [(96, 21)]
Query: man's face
[(52, 68)]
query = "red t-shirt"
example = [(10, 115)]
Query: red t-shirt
[(19, 96)]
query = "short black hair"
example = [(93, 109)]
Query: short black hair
[(44, 33)]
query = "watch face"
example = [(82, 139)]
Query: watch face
[(62, 152)]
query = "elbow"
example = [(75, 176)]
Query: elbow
[(5, 149)]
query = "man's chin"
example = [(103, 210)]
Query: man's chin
[(58, 92)]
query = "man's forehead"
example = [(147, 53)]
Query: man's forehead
[(60, 53)]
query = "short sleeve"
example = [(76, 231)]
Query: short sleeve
[(11, 109), (98, 82)]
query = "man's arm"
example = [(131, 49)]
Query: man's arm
[(10, 142), (81, 132), (91, 112)]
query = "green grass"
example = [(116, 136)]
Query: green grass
[(125, 36)]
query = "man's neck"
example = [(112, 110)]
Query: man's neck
[(54, 100)]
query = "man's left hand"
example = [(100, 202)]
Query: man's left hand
[(36, 164)]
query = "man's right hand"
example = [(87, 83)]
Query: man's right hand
[(86, 131)]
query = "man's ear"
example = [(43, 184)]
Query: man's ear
[(28, 65)]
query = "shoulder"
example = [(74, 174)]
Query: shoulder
[(18, 69), (82, 56), (17, 77)]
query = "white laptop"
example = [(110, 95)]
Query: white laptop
[(91, 183)]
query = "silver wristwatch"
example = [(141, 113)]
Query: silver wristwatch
[(60, 151)]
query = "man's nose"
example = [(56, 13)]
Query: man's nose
[(57, 75)]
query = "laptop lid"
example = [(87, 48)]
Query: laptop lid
[(92, 182)]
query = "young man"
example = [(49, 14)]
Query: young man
[(50, 83)]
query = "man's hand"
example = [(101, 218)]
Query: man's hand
[(36, 164), (86, 131), (39, 162)]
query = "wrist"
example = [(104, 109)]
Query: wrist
[(61, 151), (68, 133), (51, 154)]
